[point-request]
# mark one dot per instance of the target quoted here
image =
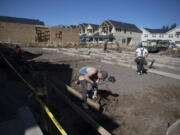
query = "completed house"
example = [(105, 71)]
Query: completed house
[(86, 31), (160, 36), (124, 33), (174, 35), (82, 28)]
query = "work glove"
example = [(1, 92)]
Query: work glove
[(94, 85)]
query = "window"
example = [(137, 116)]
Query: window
[(177, 42), (170, 36), (130, 32), (161, 35), (153, 35), (43, 35), (59, 35), (124, 31), (178, 35), (145, 35), (90, 31), (123, 41), (111, 29), (118, 30)]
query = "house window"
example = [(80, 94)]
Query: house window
[(170, 35), (145, 35), (90, 31), (178, 35), (177, 42), (118, 30), (124, 31), (161, 35), (110, 29), (123, 41), (153, 35), (59, 35)]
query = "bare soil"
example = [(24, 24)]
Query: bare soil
[(133, 105)]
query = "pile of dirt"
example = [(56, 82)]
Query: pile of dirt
[(149, 113), (175, 52), (84, 45)]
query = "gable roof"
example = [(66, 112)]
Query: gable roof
[(124, 26), (177, 27), (71, 26), (83, 25), (95, 26), (156, 30), (20, 20)]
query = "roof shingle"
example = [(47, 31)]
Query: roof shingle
[(125, 26), (156, 30), (20, 20)]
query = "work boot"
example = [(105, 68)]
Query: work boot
[(141, 72), (85, 106)]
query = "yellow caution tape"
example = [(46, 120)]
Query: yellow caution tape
[(51, 116), (63, 132)]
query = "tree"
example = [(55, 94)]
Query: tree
[(167, 27), (173, 25), (163, 27)]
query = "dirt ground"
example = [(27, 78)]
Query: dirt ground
[(133, 105)]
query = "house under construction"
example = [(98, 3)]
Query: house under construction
[(111, 31), (23, 30)]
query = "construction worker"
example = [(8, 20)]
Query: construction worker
[(141, 55), (105, 45), (118, 47), (17, 53), (90, 74)]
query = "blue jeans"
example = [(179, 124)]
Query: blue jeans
[(85, 90), (140, 67)]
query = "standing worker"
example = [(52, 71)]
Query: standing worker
[(118, 47), (105, 46), (90, 74), (17, 53), (141, 55)]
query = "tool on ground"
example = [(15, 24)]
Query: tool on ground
[(150, 66)]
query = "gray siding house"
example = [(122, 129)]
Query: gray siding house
[(124, 33)]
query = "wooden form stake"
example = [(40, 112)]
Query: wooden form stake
[(79, 95), (81, 113)]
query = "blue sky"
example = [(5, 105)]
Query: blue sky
[(143, 13)]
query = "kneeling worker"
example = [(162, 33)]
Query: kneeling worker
[(89, 74)]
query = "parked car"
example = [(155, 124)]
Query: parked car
[(172, 45), (110, 42)]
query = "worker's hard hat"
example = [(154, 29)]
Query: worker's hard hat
[(104, 74), (139, 44)]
